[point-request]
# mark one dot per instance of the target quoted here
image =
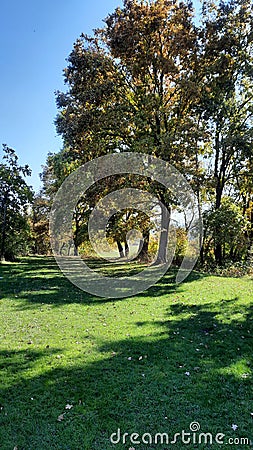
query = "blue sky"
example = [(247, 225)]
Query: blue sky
[(36, 38)]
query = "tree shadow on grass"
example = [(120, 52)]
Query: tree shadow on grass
[(39, 281), (187, 367)]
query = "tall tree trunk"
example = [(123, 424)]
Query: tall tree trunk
[(143, 248), (120, 248), (126, 248), (198, 194), (218, 195), (217, 242), (217, 246), (163, 242)]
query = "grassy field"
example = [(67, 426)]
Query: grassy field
[(76, 368)]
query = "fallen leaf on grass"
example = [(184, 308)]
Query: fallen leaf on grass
[(68, 406), (61, 417)]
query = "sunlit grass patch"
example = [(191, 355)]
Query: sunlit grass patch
[(150, 363)]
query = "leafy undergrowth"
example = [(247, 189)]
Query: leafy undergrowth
[(76, 368)]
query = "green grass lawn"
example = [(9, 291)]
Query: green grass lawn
[(153, 363)]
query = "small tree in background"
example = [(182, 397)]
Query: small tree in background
[(40, 225), (229, 228), (15, 198)]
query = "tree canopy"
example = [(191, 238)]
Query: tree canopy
[(15, 198), (156, 81)]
